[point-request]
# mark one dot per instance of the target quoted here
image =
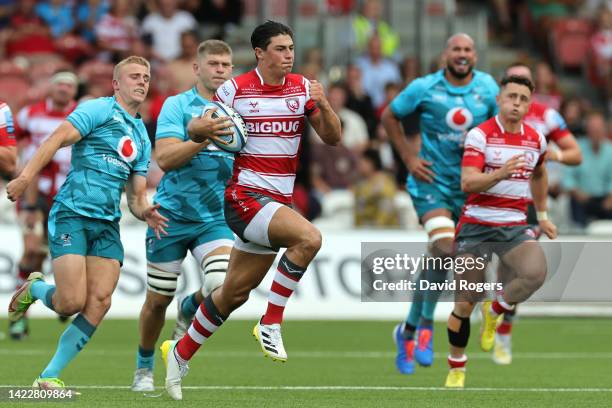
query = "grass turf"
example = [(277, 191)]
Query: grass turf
[(558, 362)]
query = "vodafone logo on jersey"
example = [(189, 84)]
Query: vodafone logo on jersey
[(127, 149), (459, 118)]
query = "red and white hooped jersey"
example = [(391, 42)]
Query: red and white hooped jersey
[(488, 147), (547, 121), (274, 118), (7, 127), (35, 123)]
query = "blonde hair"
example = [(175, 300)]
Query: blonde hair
[(132, 59), (215, 47)]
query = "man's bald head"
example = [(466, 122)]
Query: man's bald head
[(460, 55), (459, 37)]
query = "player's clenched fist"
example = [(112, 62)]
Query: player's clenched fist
[(548, 228), (16, 187), (513, 167), (317, 93)]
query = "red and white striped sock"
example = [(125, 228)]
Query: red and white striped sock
[(457, 362), (286, 279), (206, 321), (499, 306)]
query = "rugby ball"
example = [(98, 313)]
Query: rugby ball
[(236, 141)]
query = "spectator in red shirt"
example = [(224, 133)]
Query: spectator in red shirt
[(29, 34)]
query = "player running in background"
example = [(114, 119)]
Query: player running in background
[(34, 123), (502, 168), (111, 151), (191, 197), (549, 123), (273, 103), (451, 102), (8, 151)]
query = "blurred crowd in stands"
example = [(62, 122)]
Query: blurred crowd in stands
[(559, 39)]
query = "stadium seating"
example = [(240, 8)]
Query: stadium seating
[(569, 42)]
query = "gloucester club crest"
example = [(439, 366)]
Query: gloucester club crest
[(293, 104)]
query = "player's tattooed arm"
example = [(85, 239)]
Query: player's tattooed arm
[(539, 191), (65, 135), (326, 123), (139, 205)]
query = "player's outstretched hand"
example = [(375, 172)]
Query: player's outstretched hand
[(548, 228), (513, 167), (155, 220), (419, 168), (207, 127), (16, 187)]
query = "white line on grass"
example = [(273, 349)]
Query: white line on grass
[(545, 355), (340, 388)]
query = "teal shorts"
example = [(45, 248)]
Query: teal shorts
[(184, 235), (72, 233), (430, 196)]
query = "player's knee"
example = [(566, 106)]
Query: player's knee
[(100, 302), (214, 269), (312, 241), (162, 277), (68, 307), (156, 302), (442, 247), (464, 308)]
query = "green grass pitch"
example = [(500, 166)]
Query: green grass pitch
[(558, 362)]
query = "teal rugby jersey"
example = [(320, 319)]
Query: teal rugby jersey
[(447, 114), (194, 191), (114, 145)]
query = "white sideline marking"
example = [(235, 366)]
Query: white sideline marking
[(545, 355), (340, 388)]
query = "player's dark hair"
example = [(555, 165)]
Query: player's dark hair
[(263, 33), (515, 79)]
